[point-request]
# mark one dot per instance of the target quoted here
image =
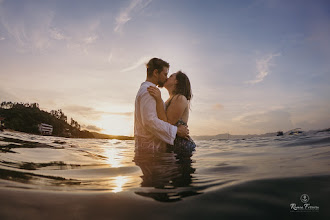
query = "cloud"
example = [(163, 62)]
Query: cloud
[(126, 14), (320, 34), (93, 128), (90, 39), (82, 44), (28, 25), (217, 106), (263, 65), (110, 57), (269, 121), (2, 38), (142, 60), (56, 34), (84, 111), (121, 113), (92, 113), (32, 27), (8, 95)]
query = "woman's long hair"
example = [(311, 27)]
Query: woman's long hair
[(183, 86)]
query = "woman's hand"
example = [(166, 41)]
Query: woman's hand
[(155, 92)]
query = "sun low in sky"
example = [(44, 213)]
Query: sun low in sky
[(255, 66)]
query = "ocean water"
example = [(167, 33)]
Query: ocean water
[(257, 177)]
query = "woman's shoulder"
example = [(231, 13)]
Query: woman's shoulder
[(180, 98)]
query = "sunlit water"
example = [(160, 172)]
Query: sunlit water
[(267, 172)]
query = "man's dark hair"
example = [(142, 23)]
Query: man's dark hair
[(156, 64)]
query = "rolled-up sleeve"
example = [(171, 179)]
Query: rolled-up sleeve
[(161, 129)]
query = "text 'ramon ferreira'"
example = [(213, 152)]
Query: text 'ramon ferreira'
[(305, 206)]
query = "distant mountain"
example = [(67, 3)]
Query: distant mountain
[(106, 136), (227, 136), (230, 136)]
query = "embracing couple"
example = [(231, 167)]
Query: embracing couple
[(159, 126)]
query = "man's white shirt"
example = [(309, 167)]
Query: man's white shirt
[(150, 132)]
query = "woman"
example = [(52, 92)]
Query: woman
[(177, 107)]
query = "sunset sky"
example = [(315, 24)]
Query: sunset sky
[(255, 66)]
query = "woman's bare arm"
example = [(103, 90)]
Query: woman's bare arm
[(161, 111), (155, 92)]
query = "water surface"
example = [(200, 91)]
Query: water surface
[(223, 178)]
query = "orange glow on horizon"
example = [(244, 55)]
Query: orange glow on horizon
[(116, 125)]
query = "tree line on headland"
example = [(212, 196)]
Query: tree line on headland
[(25, 117)]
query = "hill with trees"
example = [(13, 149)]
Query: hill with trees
[(25, 117)]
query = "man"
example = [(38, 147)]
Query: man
[(150, 132)]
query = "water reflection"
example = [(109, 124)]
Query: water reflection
[(119, 182), (167, 173), (113, 156)]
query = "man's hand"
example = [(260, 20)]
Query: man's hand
[(183, 131)]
